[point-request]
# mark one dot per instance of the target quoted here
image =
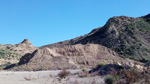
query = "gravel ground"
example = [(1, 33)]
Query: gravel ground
[(45, 77)]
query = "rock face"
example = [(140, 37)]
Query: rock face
[(69, 57)]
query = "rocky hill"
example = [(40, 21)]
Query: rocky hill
[(127, 36), (12, 53), (119, 39), (70, 57)]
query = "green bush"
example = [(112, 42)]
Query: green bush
[(109, 79), (84, 69), (100, 65)]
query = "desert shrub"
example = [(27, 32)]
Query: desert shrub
[(132, 76), (4, 65), (109, 79), (146, 76), (100, 65), (8, 54), (63, 74), (83, 74), (84, 69), (128, 75)]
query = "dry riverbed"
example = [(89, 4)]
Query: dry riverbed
[(45, 77)]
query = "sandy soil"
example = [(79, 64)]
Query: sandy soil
[(45, 77)]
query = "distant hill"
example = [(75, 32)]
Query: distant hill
[(12, 53)]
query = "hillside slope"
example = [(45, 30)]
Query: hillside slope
[(127, 36), (12, 53), (70, 57)]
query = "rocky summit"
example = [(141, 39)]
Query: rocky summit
[(26, 41)]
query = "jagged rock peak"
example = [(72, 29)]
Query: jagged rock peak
[(26, 41), (119, 19), (27, 45)]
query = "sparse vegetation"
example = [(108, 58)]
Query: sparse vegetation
[(130, 75), (4, 65), (100, 65), (84, 69), (123, 74), (109, 79), (63, 74), (8, 54), (83, 74)]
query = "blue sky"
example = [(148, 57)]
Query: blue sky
[(49, 21)]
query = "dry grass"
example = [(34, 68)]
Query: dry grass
[(63, 74), (129, 76), (30, 78), (83, 74)]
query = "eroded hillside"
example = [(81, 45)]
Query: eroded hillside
[(10, 54), (70, 57), (127, 36)]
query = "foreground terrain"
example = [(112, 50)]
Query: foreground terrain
[(45, 77)]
